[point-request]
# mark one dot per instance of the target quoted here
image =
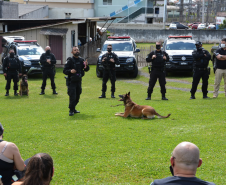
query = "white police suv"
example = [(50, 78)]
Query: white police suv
[(125, 48), (179, 49), (29, 53)]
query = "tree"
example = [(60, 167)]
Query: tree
[(223, 26)]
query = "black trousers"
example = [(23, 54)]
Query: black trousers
[(74, 92), (48, 72), (15, 77), (106, 75), (198, 74), (157, 74)]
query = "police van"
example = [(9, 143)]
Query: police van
[(125, 48), (27, 51), (179, 49)]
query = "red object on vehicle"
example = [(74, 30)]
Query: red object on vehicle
[(194, 26), (119, 37), (190, 25), (186, 36), (24, 41)]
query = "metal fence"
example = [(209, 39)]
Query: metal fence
[(141, 56)]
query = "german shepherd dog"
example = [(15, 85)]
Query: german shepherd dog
[(24, 86), (137, 111)]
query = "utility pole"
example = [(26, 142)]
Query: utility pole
[(203, 9), (208, 9), (198, 11), (164, 14), (181, 10)]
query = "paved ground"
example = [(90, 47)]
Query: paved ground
[(168, 80)]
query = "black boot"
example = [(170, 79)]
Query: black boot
[(164, 97), (7, 93), (15, 93), (112, 95), (149, 97), (103, 95), (54, 91), (76, 111), (205, 96), (192, 97), (42, 92), (71, 113)]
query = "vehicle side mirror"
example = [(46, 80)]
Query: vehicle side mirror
[(98, 50), (137, 50)]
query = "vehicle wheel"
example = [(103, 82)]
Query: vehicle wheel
[(135, 72), (99, 73)]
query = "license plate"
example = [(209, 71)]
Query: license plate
[(183, 63), (117, 65)]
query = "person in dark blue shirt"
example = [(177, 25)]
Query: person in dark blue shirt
[(184, 163)]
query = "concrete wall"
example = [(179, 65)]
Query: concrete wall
[(156, 26), (40, 13), (59, 13), (8, 10), (205, 36)]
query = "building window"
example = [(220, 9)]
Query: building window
[(107, 2), (72, 38)]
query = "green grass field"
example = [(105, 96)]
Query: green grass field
[(96, 147)]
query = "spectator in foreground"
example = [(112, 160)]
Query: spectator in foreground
[(10, 158), (39, 170), (184, 163)]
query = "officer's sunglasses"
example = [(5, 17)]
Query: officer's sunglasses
[(109, 48)]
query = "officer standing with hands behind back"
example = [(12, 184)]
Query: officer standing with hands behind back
[(11, 66), (158, 59), (109, 60), (48, 61), (201, 59)]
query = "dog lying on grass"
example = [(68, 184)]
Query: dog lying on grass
[(137, 111), (24, 86)]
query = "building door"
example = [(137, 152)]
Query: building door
[(56, 44)]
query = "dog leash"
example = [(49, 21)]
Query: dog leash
[(132, 109), (116, 105)]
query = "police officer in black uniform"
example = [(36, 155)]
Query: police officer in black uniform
[(109, 60), (74, 68), (201, 59), (11, 66), (158, 59), (48, 61)]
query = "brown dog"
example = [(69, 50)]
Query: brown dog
[(24, 86), (137, 111)]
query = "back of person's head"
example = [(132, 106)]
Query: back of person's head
[(186, 156), (1, 129), (39, 170)]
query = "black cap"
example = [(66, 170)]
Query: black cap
[(198, 43), (1, 129)]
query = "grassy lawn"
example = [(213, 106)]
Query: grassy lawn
[(96, 147)]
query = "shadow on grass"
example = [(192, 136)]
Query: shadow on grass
[(179, 75), (49, 96), (81, 116)]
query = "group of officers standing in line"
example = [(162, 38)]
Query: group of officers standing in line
[(76, 66)]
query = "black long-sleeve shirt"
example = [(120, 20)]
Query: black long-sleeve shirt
[(11, 64), (44, 57), (77, 64)]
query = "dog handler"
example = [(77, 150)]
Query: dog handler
[(11, 66), (158, 59), (201, 59), (74, 68), (48, 61), (109, 60)]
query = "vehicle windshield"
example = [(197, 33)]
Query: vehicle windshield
[(180, 46), (30, 51), (119, 46)]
